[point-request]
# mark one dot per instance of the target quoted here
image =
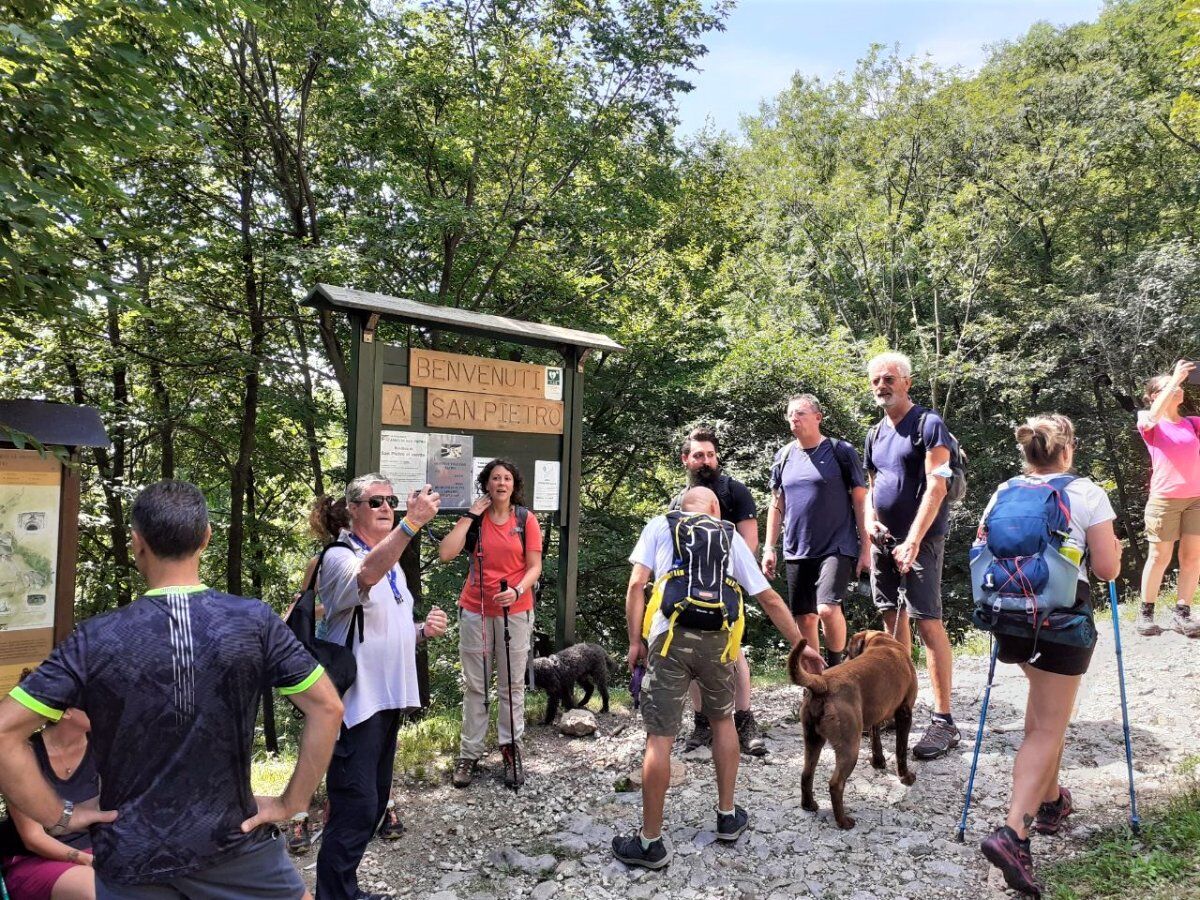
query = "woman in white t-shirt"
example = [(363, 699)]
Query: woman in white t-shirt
[(1054, 669)]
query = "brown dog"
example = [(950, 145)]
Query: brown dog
[(876, 682)]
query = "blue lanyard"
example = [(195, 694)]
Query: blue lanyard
[(391, 573)]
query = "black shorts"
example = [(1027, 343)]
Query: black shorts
[(818, 580), (1058, 659), (922, 588)]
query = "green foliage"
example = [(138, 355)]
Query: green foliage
[(178, 175), (1161, 862)]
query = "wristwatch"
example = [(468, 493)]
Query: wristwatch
[(60, 827)]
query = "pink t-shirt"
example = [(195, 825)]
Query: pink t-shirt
[(1174, 456)]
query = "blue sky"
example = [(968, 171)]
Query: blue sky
[(765, 41)]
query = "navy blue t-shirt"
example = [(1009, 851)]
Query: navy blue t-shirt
[(818, 512), (897, 463), (171, 684)]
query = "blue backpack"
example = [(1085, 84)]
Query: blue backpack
[(1023, 561)]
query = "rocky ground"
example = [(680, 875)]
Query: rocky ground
[(552, 838)]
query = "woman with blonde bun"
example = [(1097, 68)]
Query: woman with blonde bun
[(1054, 670), (1173, 509)]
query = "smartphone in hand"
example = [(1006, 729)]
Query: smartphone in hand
[(1193, 376)]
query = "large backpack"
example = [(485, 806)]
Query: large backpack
[(956, 484), (1024, 564), (698, 591), (337, 659)]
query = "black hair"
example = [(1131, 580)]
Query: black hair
[(172, 518), (518, 491), (702, 434)]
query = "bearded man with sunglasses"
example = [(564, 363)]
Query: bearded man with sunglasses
[(366, 573), (907, 458)]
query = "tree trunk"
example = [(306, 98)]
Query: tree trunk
[(164, 426), (240, 477), (1114, 462), (310, 405)]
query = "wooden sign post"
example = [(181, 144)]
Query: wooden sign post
[(420, 415), (39, 526)]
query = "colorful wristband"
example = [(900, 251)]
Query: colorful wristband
[(408, 527)]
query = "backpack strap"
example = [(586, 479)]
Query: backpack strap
[(775, 479), (522, 517), (872, 433), (357, 617), (843, 461), (724, 492)]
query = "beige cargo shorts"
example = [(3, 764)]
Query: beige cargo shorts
[(693, 655)]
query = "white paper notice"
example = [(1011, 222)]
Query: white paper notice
[(554, 383), (478, 463), (545, 484), (402, 458)]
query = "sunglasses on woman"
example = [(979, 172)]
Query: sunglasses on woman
[(375, 502)]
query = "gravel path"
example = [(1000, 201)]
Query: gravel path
[(552, 839)]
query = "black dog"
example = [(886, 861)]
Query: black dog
[(557, 674)]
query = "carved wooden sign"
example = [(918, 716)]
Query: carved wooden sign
[(397, 405), (480, 412), (476, 375)]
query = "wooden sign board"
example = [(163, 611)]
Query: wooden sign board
[(397, 405), (30, 508), (477, 375), (478, 412)]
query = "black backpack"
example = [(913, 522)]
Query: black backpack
[(337, 659), (956, 484)]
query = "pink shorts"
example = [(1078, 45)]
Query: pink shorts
[(31, 877)]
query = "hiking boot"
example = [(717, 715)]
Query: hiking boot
[(1008, 853), (1185, 625), (1050, 815), (464, 772), (939, 739), (299, 835), (701, 735), (514, 772), (629, 850), (749, 735), (1146, 626), (391, 827), (730, 828)]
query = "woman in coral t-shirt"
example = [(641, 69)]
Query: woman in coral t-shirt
[(505, 564), (1173, 510)]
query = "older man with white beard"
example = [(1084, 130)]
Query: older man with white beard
[(907, 460)]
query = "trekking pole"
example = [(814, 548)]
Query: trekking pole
[(1134, 822), (987, 693), (518, 769)]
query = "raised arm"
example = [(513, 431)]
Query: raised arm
[(422, 507), (452, 544), (1179, 375)]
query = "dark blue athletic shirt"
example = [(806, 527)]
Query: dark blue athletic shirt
[(818, 512), (898, 464), (171, 684)]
